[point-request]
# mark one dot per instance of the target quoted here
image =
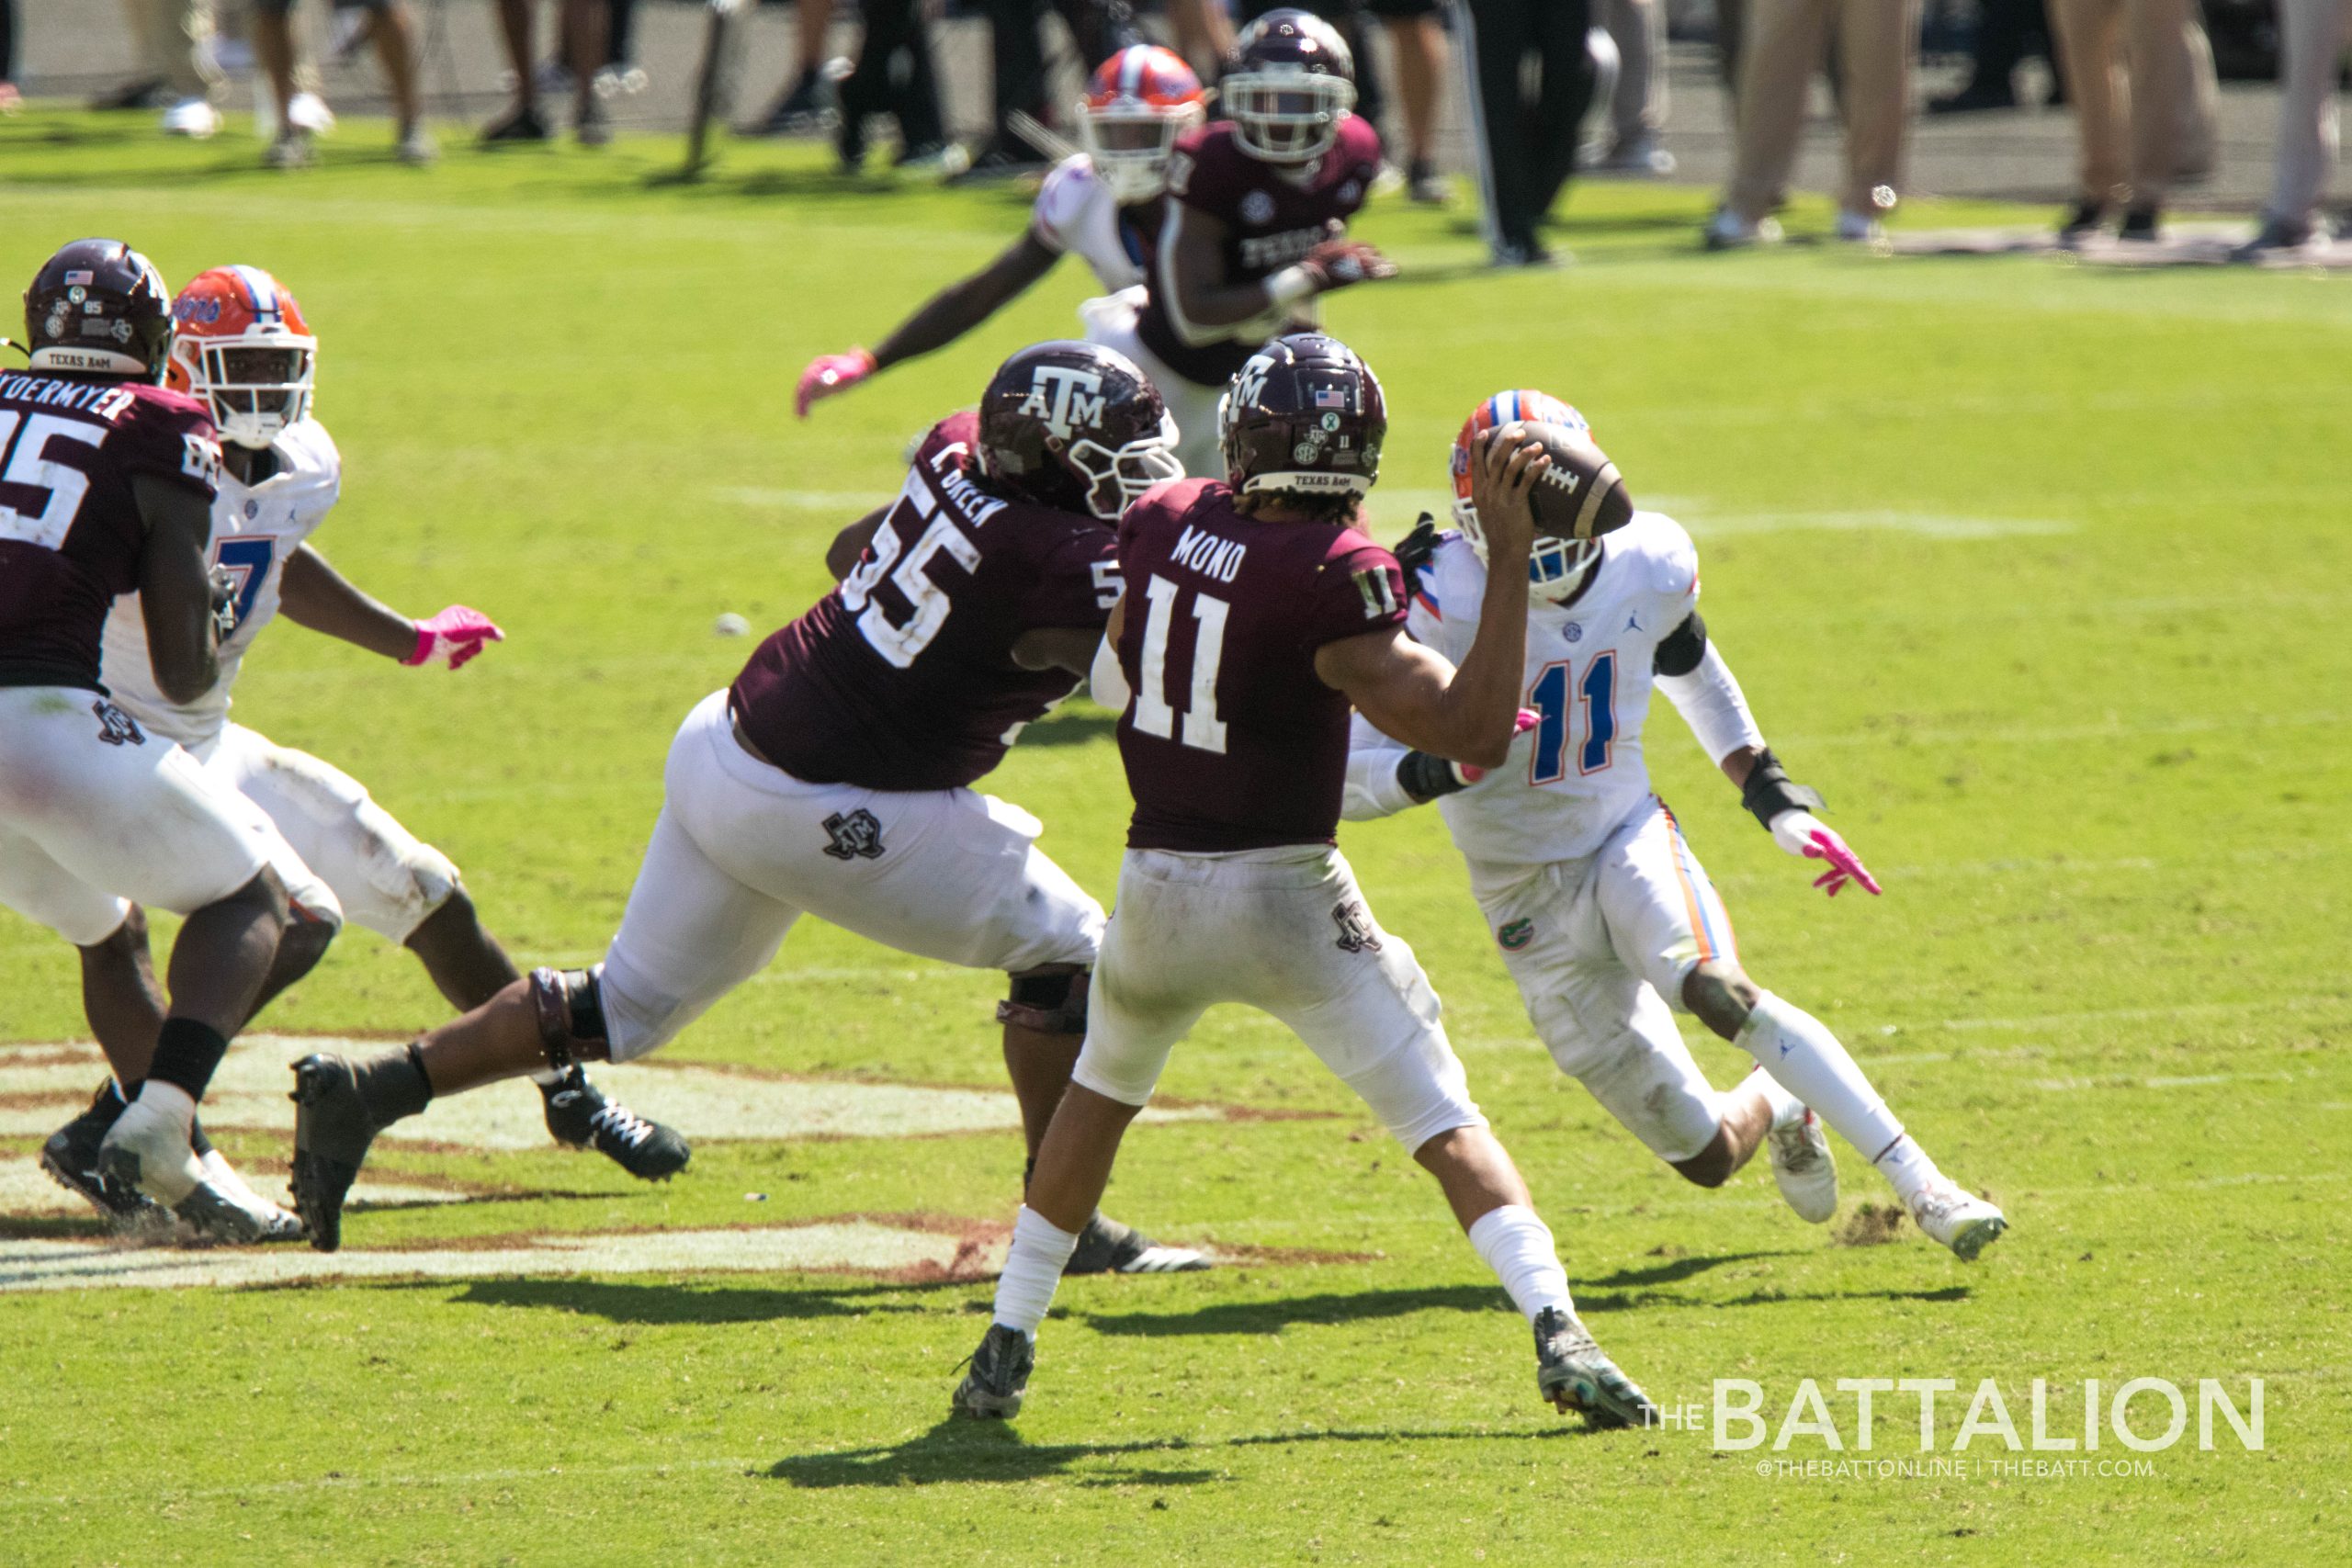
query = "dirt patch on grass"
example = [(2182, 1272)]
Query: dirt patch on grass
[(1873, 1224)]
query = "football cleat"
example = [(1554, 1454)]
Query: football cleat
[(1574, 1374), (1805, 1168), (147, 1148), (252, 1216), (1106, 1246), (71, 1158), (993, 1389), (1968, 1225), (579, 1115), (332, 1131)]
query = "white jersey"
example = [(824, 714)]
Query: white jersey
[(255, 529), (1075, 214), (1580, 773)]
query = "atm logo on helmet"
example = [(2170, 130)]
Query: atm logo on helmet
[(1064, 399)]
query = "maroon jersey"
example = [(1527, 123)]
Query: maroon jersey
[(71, 534), (1271, 221), (902, 678), (1233, 742)]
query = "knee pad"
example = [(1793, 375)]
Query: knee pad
[(1051, 1000), (571, 1006)]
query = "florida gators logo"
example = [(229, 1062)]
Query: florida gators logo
[(1516, 935)]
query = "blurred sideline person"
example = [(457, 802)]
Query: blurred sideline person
[(1604, 917), (2008, 33), (10, 99), (2141, 75), (391, 28), (806, 102), (1781, 46), (109, 488), (2313, 38), (834, 778), (1254, 614), (1203, 33), (1416, 47), (1637, 98), (243, 350), (174, 42), (581, 28), (1098, 30), (1102, 205), (1531, 77), (894, 75)]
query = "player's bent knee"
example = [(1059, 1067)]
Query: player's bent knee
[(1050, 999), (1710, 1166), (571, 1008), (264, 896), (1720, 994)]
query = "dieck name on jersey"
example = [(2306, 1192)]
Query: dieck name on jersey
[(1264, 253), (1211, 555), (974, 505), (110, 400)]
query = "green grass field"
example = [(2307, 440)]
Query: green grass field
[(2035, 570)]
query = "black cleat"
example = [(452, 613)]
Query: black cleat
[(580, 1116), (1106, 1246), (1573, 1373), (332, 1131), (2083, 220), (2141, 225), (71, 1158), (992, 1389), (522, 125)]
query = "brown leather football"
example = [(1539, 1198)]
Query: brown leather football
[(1582, 495)]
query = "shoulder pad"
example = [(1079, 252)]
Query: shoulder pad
[(1669, 562)]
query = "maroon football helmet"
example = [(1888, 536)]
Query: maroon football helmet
[(1076, 425), (98, 307), (1305, 414), (1287, 86)]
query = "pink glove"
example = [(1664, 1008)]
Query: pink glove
[(1803, 833), (1528, 719), (453, 636), (828, 374)]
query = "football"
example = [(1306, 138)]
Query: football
[(1582, 495)]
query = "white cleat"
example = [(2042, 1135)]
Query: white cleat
[(1805, 1168), (147, 1147), (308, 111), (231, 1211), (1968, 1225), (192, 117)]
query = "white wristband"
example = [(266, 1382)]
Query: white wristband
[(1290, 286)]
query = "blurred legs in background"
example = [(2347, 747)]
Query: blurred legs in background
[(1203, 34), (805, 105), (175, 42), (582, 25), (1878, 48), (1100, 28), (1525, 139), (2135, 75), (391, 28), (2313, 38), (1417, 45), (9, 100), (893, 76), (1638, 104), (2008, 33)]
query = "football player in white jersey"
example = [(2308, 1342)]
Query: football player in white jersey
[(244, 349), (1605, 919), (1102, 205)]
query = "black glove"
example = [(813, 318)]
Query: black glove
[(1414, 550)]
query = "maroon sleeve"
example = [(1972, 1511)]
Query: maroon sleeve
[(1358, 589), (1074, 579), (170, 437), (1200, 172), (1360, 150)]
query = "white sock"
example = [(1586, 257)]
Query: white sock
[(1787, 1110), (170, 1098), (1041, 1251), (1908, 1168), (1799, 1050), (547, 1078), (1518, 1247)]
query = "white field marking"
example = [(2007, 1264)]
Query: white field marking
[(2202, 1080), (865, 500), (342, 1482), (1705, 522), (26, 1189), (250, 1091), (2112, 730), (859, 1245)]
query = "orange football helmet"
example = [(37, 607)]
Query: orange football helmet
[(1556, 566), (242, 347), (1139, 102)]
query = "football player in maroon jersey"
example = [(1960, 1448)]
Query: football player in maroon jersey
[(107, 483), (1255, 225), (834, 777), (1255, 615)]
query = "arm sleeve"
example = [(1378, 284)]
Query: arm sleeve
[(1371, 789), (1106, 683), (1711, 703), (1358, 589)]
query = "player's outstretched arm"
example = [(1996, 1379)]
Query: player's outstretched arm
[(953, 311), (1412, 694), (313, 594), (1203, 307), (178, 597)]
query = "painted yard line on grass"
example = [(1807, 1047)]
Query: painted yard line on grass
[(26, 1189)]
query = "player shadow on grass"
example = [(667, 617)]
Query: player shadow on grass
[(656, 1304), (957, 1451)]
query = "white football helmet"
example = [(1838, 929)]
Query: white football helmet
[(1556, 566)]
